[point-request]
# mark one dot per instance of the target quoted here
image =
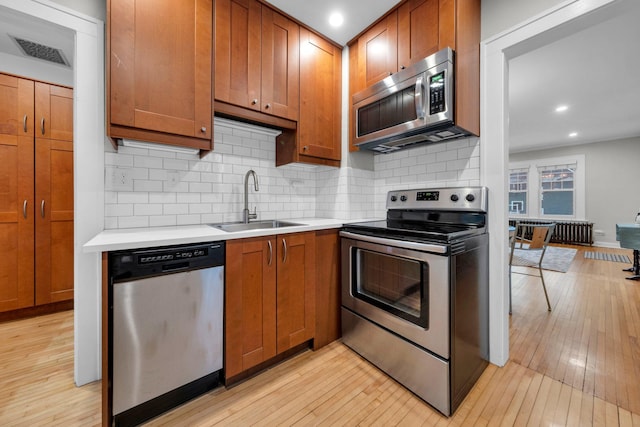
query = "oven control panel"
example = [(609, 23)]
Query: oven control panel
[(449, 198)]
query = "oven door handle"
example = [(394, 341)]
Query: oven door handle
[(397, 243)]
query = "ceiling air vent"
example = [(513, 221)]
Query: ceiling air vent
[(40, 51)]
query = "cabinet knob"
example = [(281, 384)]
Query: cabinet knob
[(24, 123), (203, 129), (402, 67), (267, 106), (305, 148), (390, 73), (254, 102)]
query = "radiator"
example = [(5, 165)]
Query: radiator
[(567, 232)]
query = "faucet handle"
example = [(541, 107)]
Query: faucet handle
[(254, 214)]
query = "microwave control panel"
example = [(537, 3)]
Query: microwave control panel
[(437, 93)]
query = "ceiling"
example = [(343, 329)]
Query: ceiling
[(358, 15), (593, 71)]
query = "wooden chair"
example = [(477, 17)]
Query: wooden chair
[(529, 252)]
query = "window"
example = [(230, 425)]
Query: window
[(557, 190), (547, 188), (518, 190)]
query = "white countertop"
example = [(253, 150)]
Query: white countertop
[(132, 238)]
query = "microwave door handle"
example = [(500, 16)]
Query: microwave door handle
[(419, 93)]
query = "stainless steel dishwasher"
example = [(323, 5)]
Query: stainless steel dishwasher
[(166, 328)]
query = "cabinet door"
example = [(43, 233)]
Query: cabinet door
[(160, 66), (16, 193), (237, 52), (378, 51), (320, 97), (280, 65), (54, 112), (54, 195), (328, 325), (418, 31), (296, 289), (250, 303)]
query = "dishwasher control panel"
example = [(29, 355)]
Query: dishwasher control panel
[(136, 263), (187, 253)]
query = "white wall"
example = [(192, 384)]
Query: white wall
[(94, 8), (612, 174), (500, 15), (36, 70)]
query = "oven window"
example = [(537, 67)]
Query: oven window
[(394, 284)]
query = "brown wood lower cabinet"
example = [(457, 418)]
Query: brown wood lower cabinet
[(269, 298), (328, 326), (36, 193)]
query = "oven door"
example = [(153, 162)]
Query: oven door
[(401, 286)]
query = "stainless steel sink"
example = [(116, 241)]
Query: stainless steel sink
[(254, 225)]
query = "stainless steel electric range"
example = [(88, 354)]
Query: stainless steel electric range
[(415, 295)]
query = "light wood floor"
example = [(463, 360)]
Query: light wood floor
[(578, 365)]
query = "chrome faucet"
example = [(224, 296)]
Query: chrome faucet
[(246, 215)]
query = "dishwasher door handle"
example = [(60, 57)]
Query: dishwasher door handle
[(175, 267)]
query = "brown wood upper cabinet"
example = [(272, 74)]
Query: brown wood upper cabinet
[(36, 181), (257, 58), (269, 298), (317, 137), (378, 51), (414, 30), (159, 71)]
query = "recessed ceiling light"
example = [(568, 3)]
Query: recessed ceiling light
[(336, 19), (573, 134), (561, 108)]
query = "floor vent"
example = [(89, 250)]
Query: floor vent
[(40, 51)]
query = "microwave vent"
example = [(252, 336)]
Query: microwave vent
[(390, 146)]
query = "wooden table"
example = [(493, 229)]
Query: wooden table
[(629, 237)]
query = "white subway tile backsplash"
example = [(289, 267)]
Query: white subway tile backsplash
[(188, 219), (171, 189), (176, 164), (140, 209), (120, 209), (147, 162), (133, 221), (199, 208), (188, 198), (175, 208), (162, 220), (162, 198), (444, 156), (124, 197), (144, 185), (200, 187)]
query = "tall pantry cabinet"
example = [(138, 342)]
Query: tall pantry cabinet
[(36, 193)]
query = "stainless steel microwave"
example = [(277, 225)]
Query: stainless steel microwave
[(415, 105)]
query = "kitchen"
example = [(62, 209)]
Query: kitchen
[(350, 178)]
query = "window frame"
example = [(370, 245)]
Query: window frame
[(526, 192), (534, 166)]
